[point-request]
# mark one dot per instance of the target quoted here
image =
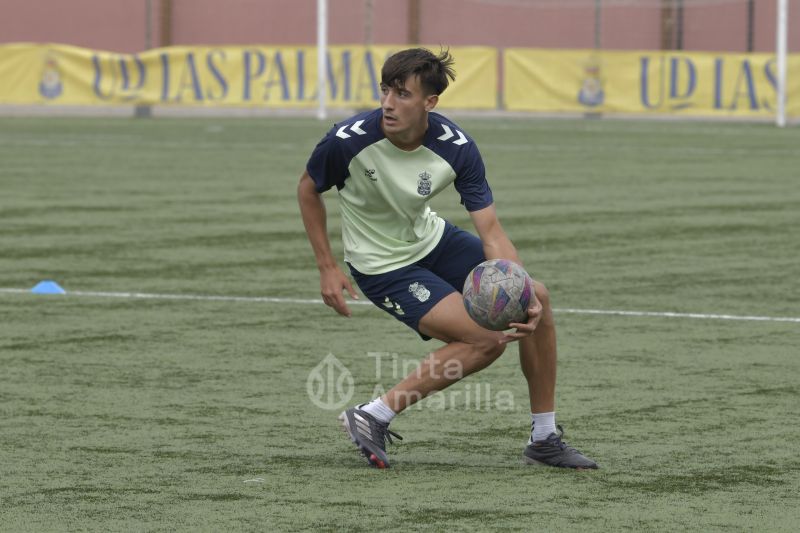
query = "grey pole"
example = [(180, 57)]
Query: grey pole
[(141, 110), (597, 23), (148, 24)]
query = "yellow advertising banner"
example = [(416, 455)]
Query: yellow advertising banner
[(675, 82), (257, 76), (680, 83)]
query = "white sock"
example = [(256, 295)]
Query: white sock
[(542, 425), (379, 410)]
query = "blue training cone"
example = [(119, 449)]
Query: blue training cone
[(48, 287)]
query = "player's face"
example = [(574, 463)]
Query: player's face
[(405, 110)]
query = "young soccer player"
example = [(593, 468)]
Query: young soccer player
[(386, 165)]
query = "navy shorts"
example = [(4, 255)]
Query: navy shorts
[(408, 293)]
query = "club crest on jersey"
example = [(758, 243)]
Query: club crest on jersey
[(419, 291), (370, 173), (424, 183)]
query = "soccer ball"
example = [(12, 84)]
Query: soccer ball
[(498, 292)]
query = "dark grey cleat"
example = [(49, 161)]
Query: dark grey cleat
[(554, 452), (368, 434)]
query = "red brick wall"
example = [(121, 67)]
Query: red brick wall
[(106, 24), (119, 25)]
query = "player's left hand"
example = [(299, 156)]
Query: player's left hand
[(527, 329)]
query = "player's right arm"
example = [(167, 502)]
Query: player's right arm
[(332, 280)]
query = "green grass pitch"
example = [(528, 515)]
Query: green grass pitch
[(124, 414)]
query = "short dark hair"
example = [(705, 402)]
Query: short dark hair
[(433, 70)]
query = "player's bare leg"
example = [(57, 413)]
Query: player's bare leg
[(538, 358), (470, 348)]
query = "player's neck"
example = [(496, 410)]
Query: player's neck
[(410, 139)]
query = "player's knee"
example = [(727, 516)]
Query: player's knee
[(543, 296), (489, 347)]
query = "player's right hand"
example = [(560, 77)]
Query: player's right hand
[(332, 283)]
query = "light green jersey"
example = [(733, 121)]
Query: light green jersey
[(384, 192)]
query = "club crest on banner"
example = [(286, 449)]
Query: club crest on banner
[(50, 85), (591, 93)]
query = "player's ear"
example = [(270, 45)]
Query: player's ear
[(431, 101)]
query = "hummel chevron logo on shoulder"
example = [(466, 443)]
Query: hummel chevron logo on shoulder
[(355, 128), (448, 133)]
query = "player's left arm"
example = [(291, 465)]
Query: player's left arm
[(497, 245)]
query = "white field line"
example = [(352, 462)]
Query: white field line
[(208, 298), (668, 314), (314, 301)]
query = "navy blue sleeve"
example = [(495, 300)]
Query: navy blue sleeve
[(328, 163), (470, 179)]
